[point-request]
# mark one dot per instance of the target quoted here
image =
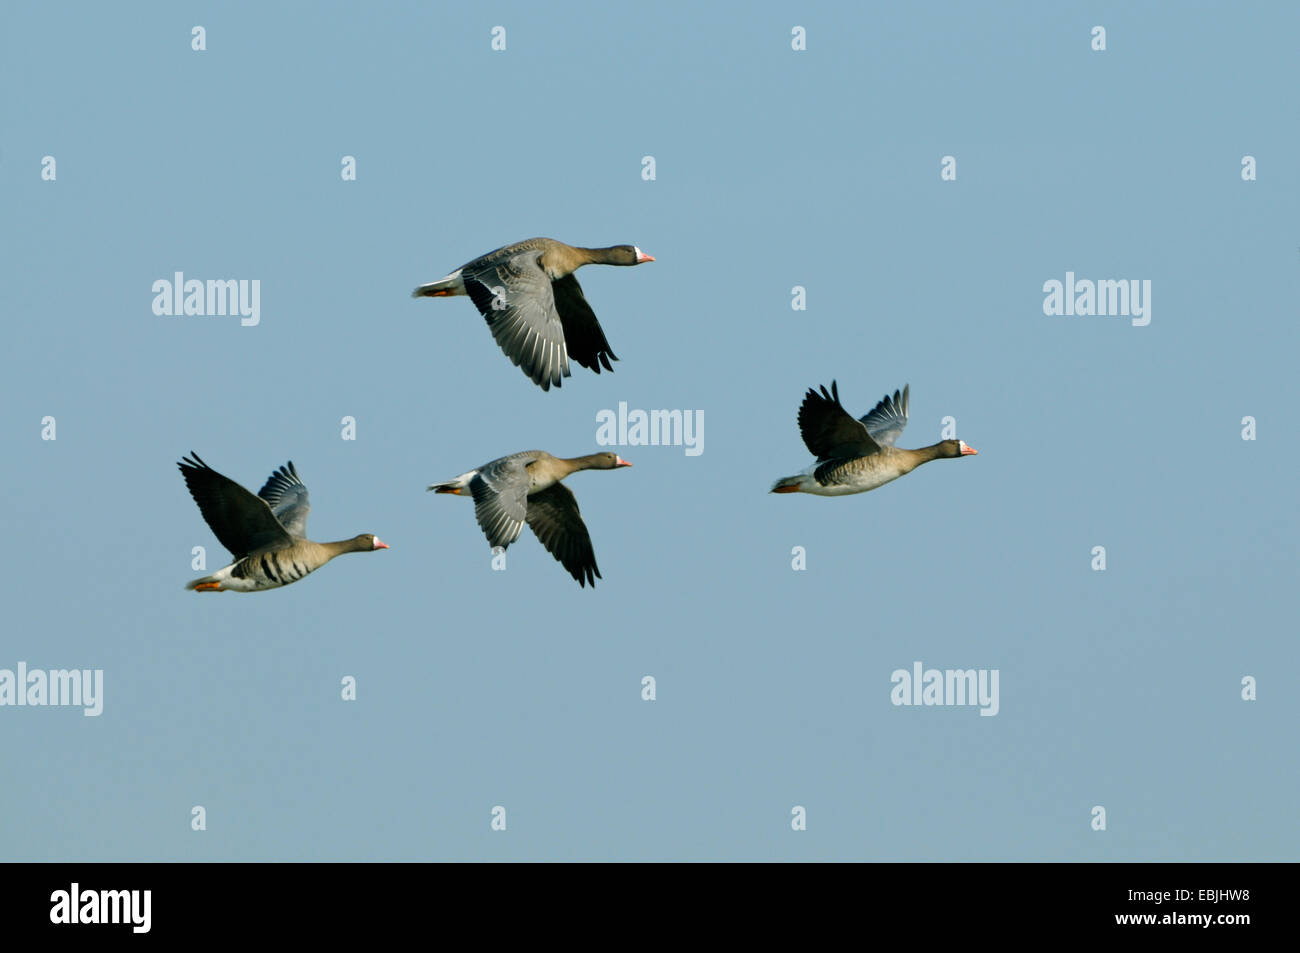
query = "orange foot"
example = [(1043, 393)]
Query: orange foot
[(208, 587)]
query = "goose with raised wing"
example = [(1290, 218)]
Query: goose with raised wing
[(855, 455), (266, 533), (524, 488), (534, 305)]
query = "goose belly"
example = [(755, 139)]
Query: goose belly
[(834, 489), (856, 477), (538, 483), (268, 571)]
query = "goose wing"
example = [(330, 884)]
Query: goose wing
[(513, 293), (583, 335), (500, 491), (242, 522), (553, 516), (830, 431), (888, 418), (286, 494)]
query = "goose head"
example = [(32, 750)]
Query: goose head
[(625, 255)]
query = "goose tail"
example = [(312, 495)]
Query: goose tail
[(443, 287), (790, 484)]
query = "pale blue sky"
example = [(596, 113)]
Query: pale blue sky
[(775, 169)]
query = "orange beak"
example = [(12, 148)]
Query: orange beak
[(620, 462), (643, 257), (380, 544), (969, 451)]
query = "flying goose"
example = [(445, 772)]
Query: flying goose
[(264, 533), (534, 305), (854, 456), (525, 487)]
